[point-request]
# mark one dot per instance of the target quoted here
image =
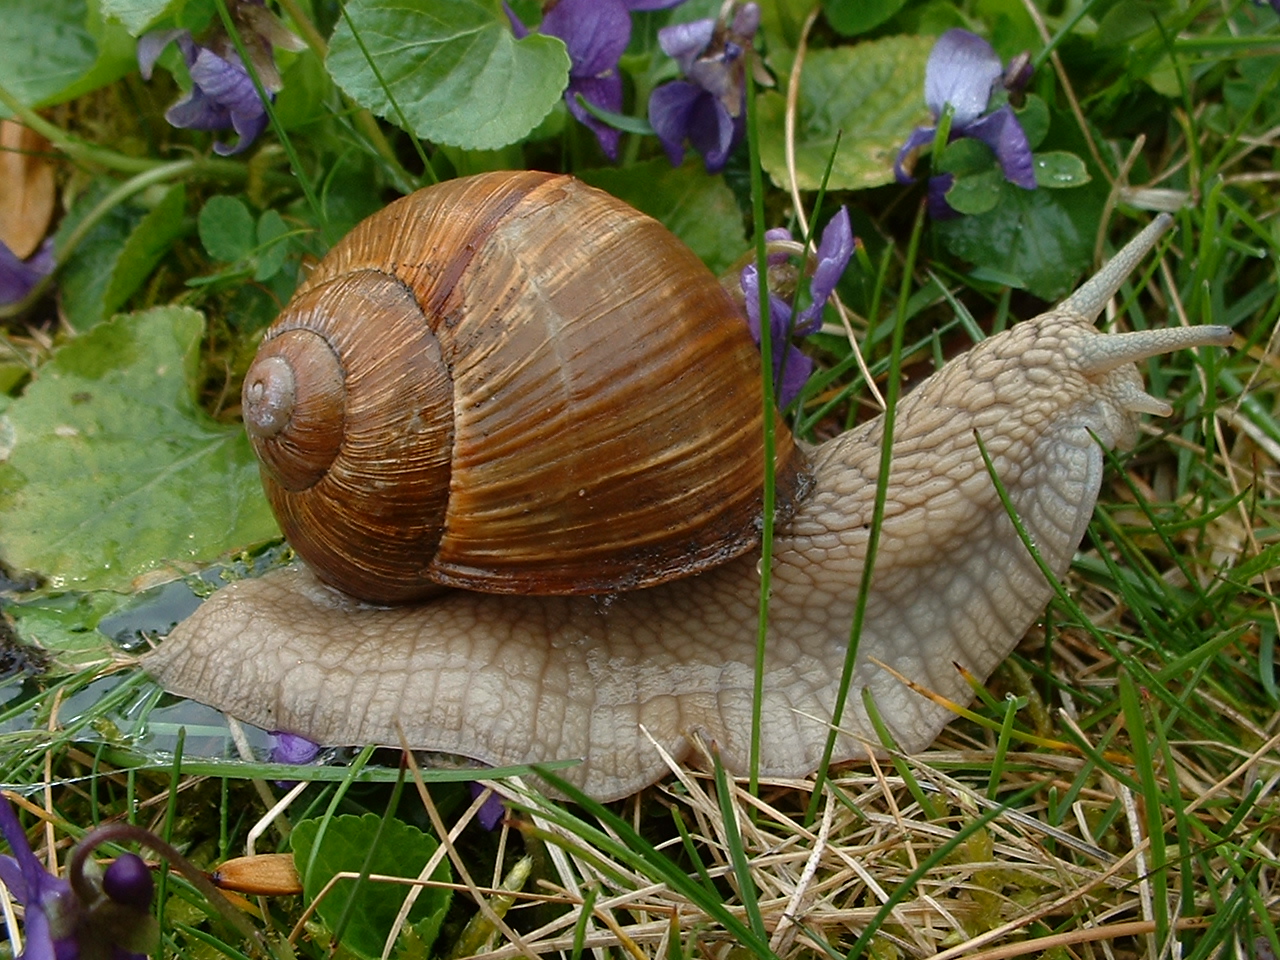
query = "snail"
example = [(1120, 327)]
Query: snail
[(591, 674)]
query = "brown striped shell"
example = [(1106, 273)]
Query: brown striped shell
[(512, 383)]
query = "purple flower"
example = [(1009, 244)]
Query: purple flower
[(961, 73), (492, 810), (596, 33), (96, 914), (709, 108), (18, 277), (222, 93), (792, 367), (292, 748)]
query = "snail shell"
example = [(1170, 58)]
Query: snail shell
[(513, 383)]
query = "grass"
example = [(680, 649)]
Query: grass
[(1111, 793)]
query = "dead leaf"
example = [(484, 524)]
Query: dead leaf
[(26, 188)]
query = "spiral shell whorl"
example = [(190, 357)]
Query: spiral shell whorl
[(294, 405), (359, 474)]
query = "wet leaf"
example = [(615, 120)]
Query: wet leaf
[(1043, 238), (113, 470)]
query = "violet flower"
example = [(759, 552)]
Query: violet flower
[(95, 915), (492, 811), (792, 367), (222, 94), (961, 72), (19, 277), (596, 34), (709, 107), (292, 748)]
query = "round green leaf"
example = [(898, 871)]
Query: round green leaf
[(452, 66), (1057, 169), (226, 228), (871, 94), (976, 193)]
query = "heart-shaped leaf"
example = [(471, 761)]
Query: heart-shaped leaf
[(453, 67)]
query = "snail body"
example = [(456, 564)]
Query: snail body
[(510, 679)]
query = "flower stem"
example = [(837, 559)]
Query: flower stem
[(157, 174), (364, 120), (89, 154)]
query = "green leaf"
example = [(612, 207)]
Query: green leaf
[(52, 51), (1058, 169), (1042, 237), (976, 193), (136, 15), (117, 255), (86, 276), (67, 625), (700, 210), (273, 245), (146, 246), (226, 228), (966, 157), (852, 17), (453, 66), (112, 468), (348, 846), (872, 94)]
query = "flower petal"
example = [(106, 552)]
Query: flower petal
[(685, 41), (226, 82), (1002, 132), (834, 251), (151, 45), (12, 878), (292, 748), (713, 132), (791, 367), (960, 71), (596, 33), (919, 137), (604, 92), (670, 109), (18, 277), (40, 945), (634, 5), (196, 111), (792, 375), (249, 126), (936, 201), (492, 810)]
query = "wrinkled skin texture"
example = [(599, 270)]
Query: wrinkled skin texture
[(509, 679)]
